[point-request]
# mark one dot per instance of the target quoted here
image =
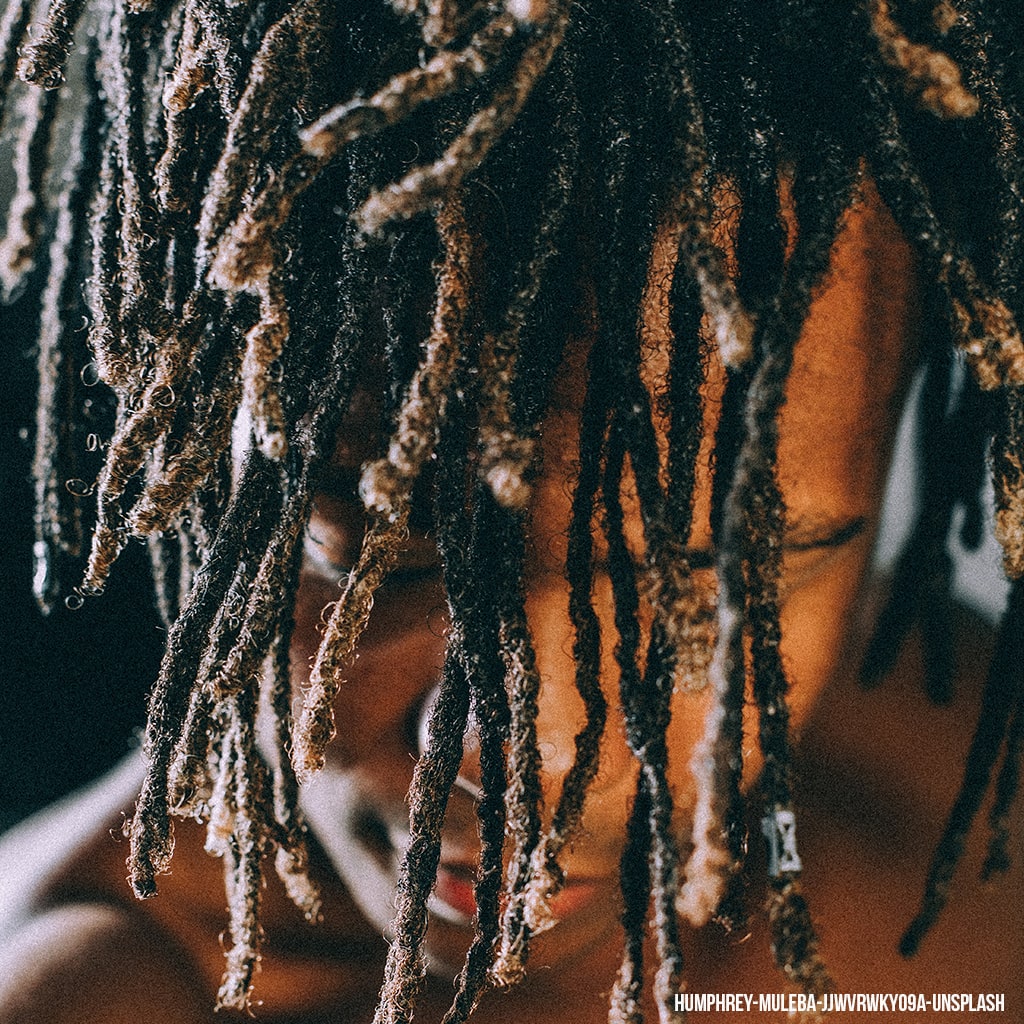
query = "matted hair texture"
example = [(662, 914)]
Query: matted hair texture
[(238, 207)]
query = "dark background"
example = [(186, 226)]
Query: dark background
[(72, 684)]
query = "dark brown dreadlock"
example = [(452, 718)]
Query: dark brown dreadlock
[(258, 196)]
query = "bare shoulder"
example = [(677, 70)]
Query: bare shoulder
[(72, 948), (40, 856), (94, 962), (76, 945)]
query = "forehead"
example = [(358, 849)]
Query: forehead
[(853, 361), (851, 365), (843, 396)]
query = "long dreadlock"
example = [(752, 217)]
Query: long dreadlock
[(233, 185)]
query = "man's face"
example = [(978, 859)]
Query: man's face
[(836, 429)]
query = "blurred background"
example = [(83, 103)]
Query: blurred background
[(979, 581), (72, 683)]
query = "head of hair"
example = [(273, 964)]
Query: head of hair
[(263, 199)]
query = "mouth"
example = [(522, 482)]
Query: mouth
[(453, 898), (370, 862)]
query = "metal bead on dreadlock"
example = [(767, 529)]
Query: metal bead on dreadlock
[(779, 830)]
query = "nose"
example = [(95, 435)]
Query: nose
[(561, 711), (468, 779)]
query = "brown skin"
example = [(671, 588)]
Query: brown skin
[(878, 771)]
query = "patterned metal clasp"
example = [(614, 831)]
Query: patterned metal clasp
[(779, 828)]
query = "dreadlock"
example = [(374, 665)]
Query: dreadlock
[(233, 186)]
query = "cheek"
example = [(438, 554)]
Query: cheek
[(399, 660), (817, 621)]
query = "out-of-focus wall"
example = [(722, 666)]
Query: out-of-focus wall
[(979, 581)]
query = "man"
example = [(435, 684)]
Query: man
[(633, 473)]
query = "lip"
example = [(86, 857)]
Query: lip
[(574, 897), (452, 899)]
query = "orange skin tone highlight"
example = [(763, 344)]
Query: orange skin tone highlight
[(877, 772)]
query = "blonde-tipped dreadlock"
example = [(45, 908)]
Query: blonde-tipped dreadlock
[(258, 198)]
